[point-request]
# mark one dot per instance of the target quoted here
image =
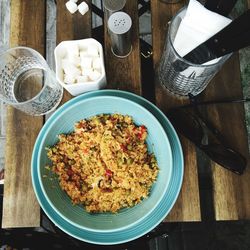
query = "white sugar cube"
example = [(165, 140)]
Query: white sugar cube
[(94, 75), (84, 53), (65, 63), (81, 79), (70, 69), (93, 50), (83, 8), (87, 71), (82, 46), (69, 79), (71, 6), (86, 62), (74, 59), (73, 49), (97, 63), (75, 1)]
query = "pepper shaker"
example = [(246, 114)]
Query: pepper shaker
[(119, 26)]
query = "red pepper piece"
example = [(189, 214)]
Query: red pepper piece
[(124, 147), (107, 190), (142, 130), (70, 172), (108, 172), (81, 125)]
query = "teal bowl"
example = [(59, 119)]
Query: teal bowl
[(62, 121)]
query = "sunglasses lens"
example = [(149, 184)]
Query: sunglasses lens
[(226, 157), (186, 124)]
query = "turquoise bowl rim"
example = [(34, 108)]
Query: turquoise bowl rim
[(80, 100), (163, 207)]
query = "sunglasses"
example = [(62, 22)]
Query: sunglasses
[(205, 136)]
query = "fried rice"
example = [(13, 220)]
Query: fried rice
[(104, 164)]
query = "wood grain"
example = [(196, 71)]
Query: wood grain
[(244, 190), (231, 192), (115, 67), (20, 207), (187, 207), (71, 27)]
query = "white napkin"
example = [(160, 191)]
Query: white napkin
[(198, 25)]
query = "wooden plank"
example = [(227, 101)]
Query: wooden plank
[(184, 210), (4, 43), (125, 73), (231, 192), (71, 27), (20, 207), (187, 204)]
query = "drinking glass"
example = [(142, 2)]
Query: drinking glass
[(178, 75), (27, 83), (112, 6)]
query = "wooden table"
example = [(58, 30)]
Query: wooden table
[(229, 195)]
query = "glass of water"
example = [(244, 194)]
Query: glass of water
[(27, 83), (171, 74)]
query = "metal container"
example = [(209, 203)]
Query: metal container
[(119, 26)]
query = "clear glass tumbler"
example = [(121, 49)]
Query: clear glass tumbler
[(194, 79), (27, 83)]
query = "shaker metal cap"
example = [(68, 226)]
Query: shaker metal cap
[(119, 23)]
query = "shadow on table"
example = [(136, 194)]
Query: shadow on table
[(172, 236), (230, 235)]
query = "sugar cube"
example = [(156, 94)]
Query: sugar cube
[(70, 69), (94, 75), (71, 6), (82, 46), (97, 63), (69, 79), (73, 49), (86, 62), (84, 53), (83, 8), (81, 79), (93, 50), (86, 71), (74, 59)]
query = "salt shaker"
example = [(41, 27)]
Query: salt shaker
[(119, 26)]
